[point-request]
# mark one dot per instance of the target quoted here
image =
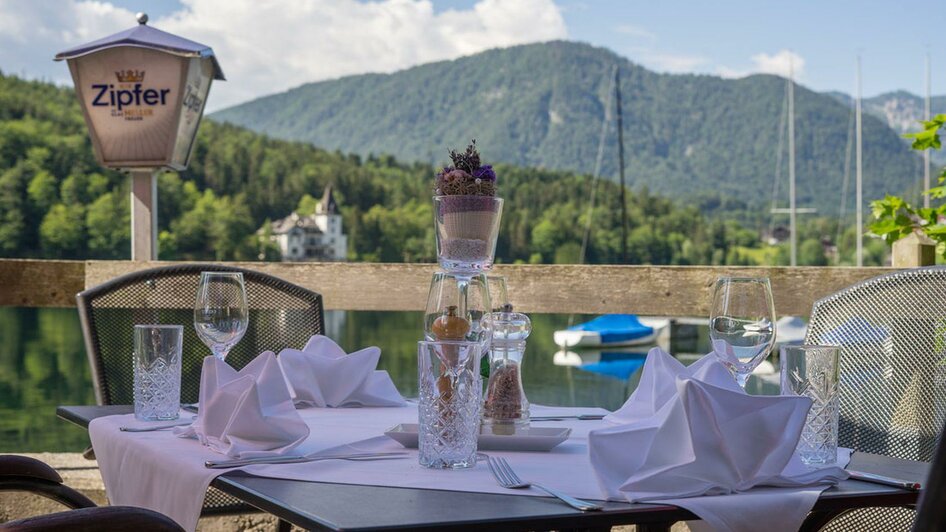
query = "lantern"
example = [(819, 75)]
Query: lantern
[(142, 93)]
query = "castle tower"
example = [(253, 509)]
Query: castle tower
[(329, 220)]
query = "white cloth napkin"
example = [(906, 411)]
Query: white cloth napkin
[(689, 434), (246, 413), (322, 375)]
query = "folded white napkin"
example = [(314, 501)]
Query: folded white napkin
[(692, 431), (246, 413), (321, 374)]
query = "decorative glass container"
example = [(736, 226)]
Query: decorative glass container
[(456, 307), (505, 407), (467, 228)]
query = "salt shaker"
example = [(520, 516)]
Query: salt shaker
[(506, 407)]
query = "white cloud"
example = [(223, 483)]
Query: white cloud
[(32, 32), (780, 63), (632, 30), (267, 47), (671, 62), (726, 72), (674, 63)]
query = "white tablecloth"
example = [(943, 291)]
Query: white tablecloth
[(165, 473), (162, 472)]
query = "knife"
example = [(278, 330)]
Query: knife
[(221, 464), (155, 427), (582, 417), (887, 481)]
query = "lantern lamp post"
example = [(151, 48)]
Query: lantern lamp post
[(142, 93)]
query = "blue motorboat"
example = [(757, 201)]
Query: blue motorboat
[(612, 330)]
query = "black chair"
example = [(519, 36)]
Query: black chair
[(892, 333), (281, 315), (21, 473), (931, 509)]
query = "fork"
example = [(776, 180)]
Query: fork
[(508, 479)]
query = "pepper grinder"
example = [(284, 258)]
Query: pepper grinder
[(506, 407)]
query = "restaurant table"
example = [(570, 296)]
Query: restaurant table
[(354, 507)]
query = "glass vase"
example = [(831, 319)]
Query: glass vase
[(467, 228)]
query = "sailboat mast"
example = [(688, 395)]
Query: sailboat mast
[(793, 228), (859, 177), (926, 153), (617, 94)]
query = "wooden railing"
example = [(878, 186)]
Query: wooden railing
[(647, 290)]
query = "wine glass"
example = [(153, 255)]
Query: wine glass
[(742, 323), (220, 314), (458, 306), (498, 296)]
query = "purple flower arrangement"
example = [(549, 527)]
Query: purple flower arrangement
[(467, 177), (467, 212)]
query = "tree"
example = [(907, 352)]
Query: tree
[(109, 227), (568, 253), (43, 190), (62, 232), (811, 253), (13, 212), (307, 205)]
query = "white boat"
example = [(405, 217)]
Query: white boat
[(613, 330), (790, 330)]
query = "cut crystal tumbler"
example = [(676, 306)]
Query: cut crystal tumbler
[(157, 362), (451, 390), (812, 371)]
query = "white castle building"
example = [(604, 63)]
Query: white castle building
[(316, 237)]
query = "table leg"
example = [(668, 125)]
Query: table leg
[(654, 527), (283, 526)]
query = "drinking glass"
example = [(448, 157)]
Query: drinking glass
[(458, 306), (450, 389), (220, 315), (742, 323), (812, 371), (157, 361)]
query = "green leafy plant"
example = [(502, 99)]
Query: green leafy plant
[(894, 218)]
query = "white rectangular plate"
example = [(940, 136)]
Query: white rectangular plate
[(524, 439)]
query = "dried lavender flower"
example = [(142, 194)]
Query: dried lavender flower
[(467, 177)]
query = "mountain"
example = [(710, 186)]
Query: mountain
[(542, 105), (56, 202), (901, 110)]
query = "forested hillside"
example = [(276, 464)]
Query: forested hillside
[(542, 105), (56, 202)]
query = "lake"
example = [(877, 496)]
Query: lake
[(43, 364)]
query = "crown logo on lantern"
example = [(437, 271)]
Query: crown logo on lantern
[(130, 76)]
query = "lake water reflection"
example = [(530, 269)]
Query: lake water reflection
[(43, 364)]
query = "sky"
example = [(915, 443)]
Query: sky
[(268, 46)]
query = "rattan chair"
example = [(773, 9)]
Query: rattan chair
[(892, 331), (281, 315)]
